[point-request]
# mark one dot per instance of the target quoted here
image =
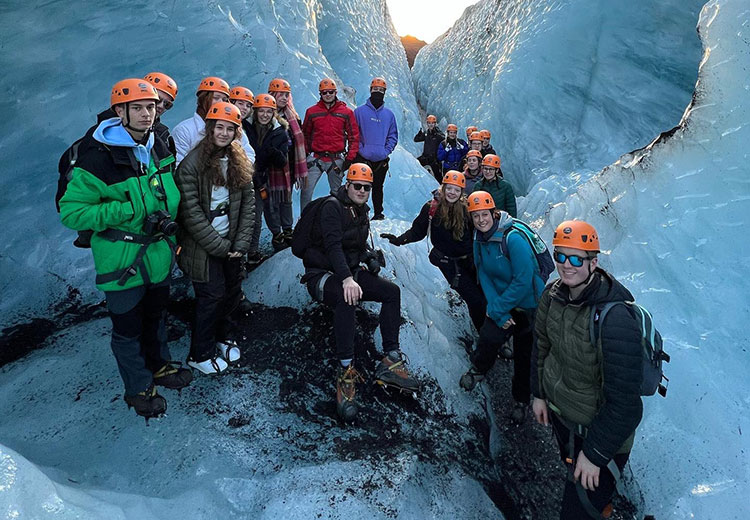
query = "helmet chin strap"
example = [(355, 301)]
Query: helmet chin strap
[(126, 124), (585, 282)]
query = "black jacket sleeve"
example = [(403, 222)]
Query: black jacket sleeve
[(622, 365), (418, 229), (419, 137), (331, 228)]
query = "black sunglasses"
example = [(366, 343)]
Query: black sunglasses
[(327, 92), (167, 104), (357, 186), (575, 260)]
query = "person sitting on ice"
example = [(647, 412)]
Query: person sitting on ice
[(452, 151), (432, 139), (340, 271), (486, 146), (492, 181), (473, 169)]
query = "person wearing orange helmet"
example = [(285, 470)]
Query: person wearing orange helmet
[(452, 150), (512, 283), (122, 188), (432, 139), (331, 140), (486, 146), (341, 270), (188, 133), (493, 182), (378, 137), (589, 393), (267, 135), (216, 224), (473, 169), (166, 87), (446, 222), (475, 141)]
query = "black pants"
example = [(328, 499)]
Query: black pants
[(572, 509), (214, 302), (379, 171), (139, 337), (374, 289), (492, 337), (462, 277)]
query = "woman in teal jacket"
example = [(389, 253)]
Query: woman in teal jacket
[(512, 286)]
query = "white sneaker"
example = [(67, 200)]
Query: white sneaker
[(210, 366), (229, 350)]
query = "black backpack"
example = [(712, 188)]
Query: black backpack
[(65, 168), (303, 231), (541, 252)]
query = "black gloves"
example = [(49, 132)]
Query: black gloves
[(393, 239)]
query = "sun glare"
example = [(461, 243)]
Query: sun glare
[(426, 19)]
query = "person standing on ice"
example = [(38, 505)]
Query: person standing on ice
[(268, 137), (452, 151), (378, 137), (432, 139), (122, 188), (512, 285), (590, 396), (216, 223), (331, 140), (167, 89), (470, 130), (191, 131), (473, 170), (475, 141), (446, 221), (492, 181), (486, 146), (281, 179), (334, 275)]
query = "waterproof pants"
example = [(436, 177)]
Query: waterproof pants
[(572, 509), (462, 277), (374, 289), (215, 300), (315, 170), (492, 337), (379, 171), (278, 214), (139, 337), (255, 240)]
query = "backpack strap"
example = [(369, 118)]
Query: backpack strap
[(431, 213)]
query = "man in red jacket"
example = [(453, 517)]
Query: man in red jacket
[(331, 140)]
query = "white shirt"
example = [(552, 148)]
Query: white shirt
[(189, 133), (220, 198)]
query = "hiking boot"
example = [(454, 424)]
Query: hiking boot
[(506, 351), (173, 376), (278, 242), (391, 370), (229, 350), (287, 236), (211, 366), (244, 307), (518, 415), (378, 216), (147, 403), (346, 378), (470, 379)]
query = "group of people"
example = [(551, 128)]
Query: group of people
[(196, 194)]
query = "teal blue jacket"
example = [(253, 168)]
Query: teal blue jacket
[(508, 283)]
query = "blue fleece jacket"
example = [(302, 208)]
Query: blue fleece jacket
[(507, 282), (378, 134), (451, 154), (112, 133)]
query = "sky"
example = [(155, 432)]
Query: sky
[(426, 19)]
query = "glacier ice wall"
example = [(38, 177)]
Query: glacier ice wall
[(61, 59), (563, 85)]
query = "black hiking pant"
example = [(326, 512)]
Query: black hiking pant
[(462, 277), (492, 337), (374, 289), (572, 509), (215, 300), (379, 171), (139, 336)]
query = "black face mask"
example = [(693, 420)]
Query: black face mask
[(376, 98)]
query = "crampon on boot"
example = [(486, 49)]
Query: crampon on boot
[(346, 378), (392, 371), (173, 376), (470, 379), (148, 403)]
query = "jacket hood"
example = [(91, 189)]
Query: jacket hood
[(112, 133), (602, 289)]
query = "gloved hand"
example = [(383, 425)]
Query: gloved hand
[(393, 239), (448, 148)]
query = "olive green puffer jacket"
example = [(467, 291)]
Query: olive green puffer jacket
[(197, 237)]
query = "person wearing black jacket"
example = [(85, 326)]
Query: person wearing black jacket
[(446, 220), (167, 89), (334, 275), (432, 139), (590, 395)]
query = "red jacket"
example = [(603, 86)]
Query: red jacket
[(331, 130)]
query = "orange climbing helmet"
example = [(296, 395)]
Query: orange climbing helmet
[(327, 84), (132, 90), (264, 101), (359, 172), (163, 82), (455, 178), (279, 85), (576, 234), (480, 200), (451, 128), (378, 82), (491, 160), (431, 119), (475, 136), (223, 111), (239, 93), (474, 153), (486, 134), (470, 129), (213, 84)]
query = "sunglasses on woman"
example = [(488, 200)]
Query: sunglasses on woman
[(357, 186), (575, 260)]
